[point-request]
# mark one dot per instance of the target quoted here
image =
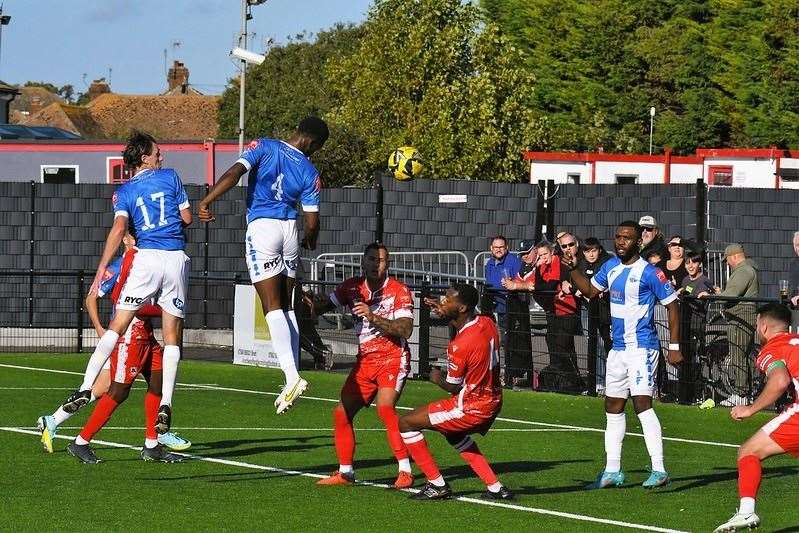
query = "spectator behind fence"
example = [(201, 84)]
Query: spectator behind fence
[(793, 272), (519, 350), (675, 263), (597, 318), (696, 283), (501, 265), (652, 240), (742, 283), (563, 322)]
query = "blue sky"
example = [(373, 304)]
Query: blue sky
[(59, 41)]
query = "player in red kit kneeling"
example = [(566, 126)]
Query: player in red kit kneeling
[(473, 380), (779, 360)]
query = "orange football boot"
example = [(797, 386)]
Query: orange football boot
[(337, 478)]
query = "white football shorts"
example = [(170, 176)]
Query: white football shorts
[(159, 274), (271, 248), (631, 372)]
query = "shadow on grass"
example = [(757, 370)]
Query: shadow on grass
[(233, 447), (721, 475)]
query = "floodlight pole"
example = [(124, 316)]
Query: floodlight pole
[(651, 126), (378, 180), (4, 21), (245, 15)]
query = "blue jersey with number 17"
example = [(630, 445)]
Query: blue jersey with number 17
[(280, 175), (152, 201)]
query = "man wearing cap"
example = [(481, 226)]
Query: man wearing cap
[(742, 283), (519, 363), (652, 239)]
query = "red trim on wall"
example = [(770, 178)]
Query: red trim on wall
[(210, 161), (584, 157), (667, 166), (743, 152)]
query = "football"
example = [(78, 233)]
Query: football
[(405, 163)]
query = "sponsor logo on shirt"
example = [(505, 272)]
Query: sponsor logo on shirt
[(661, 276), (253, 144)]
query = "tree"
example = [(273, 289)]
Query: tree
[(429, 73), (290, 85)]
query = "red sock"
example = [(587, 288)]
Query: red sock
[(388, 414), (151, 403), (417, 446), (99, 417), (749, 474), (344, 436), (477, 461)]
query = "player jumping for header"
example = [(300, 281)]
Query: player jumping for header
[(281, 175)]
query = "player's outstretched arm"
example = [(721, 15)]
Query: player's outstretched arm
[(778, 380), (185, 217), (310, 229), (675, 356), (398, 327), (439, 378), (112, 242), (579, 280), (94, 315), (227, 181)]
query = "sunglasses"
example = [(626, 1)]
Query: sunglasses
[(648, 230), (568, 245), (671, 244)]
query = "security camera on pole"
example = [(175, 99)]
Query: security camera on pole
[(245, 56), (5, 20)]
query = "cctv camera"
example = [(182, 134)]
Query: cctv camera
[(246, 55)]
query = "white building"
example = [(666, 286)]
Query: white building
[(728, 167)]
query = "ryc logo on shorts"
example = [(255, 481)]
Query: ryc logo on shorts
[(178, 303)]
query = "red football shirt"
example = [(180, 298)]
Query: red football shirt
[(473, 363), (391, 301), (782, 347)]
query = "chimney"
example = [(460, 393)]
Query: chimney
[(35, 105), (97, 88), (178, 77)]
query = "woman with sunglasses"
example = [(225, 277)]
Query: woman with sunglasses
[(675, 264)]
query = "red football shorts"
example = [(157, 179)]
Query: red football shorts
[(784, 429), (142, 354), (447, 416), (366, 377)]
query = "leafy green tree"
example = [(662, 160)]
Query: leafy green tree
[(429, 73)]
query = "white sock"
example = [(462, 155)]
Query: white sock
[(150, 443), (747, 506), (60, 416), (345, 469), (614, 435), (104, 348), (170, 373), (653, 438), (80, 441), (404, 465), (294, 329), (494, 487), (438, 482), (281, 341)]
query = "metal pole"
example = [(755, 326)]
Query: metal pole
[(701, 214), (32, 243), (205, 268), (651, 127), (80, 311), (379, 206), (242, 44)]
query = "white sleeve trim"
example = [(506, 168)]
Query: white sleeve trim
[(244, 162), (668, 299), (455, 381), (310, 208), (121, 213), (597, 285), (403, 313), (184, 205)]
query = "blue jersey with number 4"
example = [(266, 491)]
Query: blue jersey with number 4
[(280, 176), (634, 290), (152, 201)]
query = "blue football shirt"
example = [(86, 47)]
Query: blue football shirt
[(110, 277), (280, 176), (152, 201), (634, 291)]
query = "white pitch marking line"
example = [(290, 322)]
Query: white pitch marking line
[(241, 464), (501, 419), (325, 430)]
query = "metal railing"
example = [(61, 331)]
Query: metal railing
[(408, 267)]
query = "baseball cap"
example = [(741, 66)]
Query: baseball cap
[(733, 249), (525, 246), (678, 241), (648, 221)]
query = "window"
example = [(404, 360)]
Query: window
[(60, 173), (116, 171), (789, 174), (626, 179), (720, 176), (573, 178)]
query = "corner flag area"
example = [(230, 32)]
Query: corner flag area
[(249, 468)]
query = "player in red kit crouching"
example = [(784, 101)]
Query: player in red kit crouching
[(473, 380), (779, 360), (384, 309)]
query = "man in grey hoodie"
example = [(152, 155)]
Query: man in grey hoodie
[(742, 283)]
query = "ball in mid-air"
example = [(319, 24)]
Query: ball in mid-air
[(405, 163)]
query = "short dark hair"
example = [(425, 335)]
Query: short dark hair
[(694, 258), (375, 246), (632, 224), (592, 242), (500, 237), (467, 295), (775, 311), (315, 128), (138, 145)]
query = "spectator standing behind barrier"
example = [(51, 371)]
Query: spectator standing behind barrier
[(675, 263), (563, 322), (742, 283), (597, 318), (501, 265), (652, 239), (519, 362)]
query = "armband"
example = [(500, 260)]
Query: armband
[(674, 346)]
